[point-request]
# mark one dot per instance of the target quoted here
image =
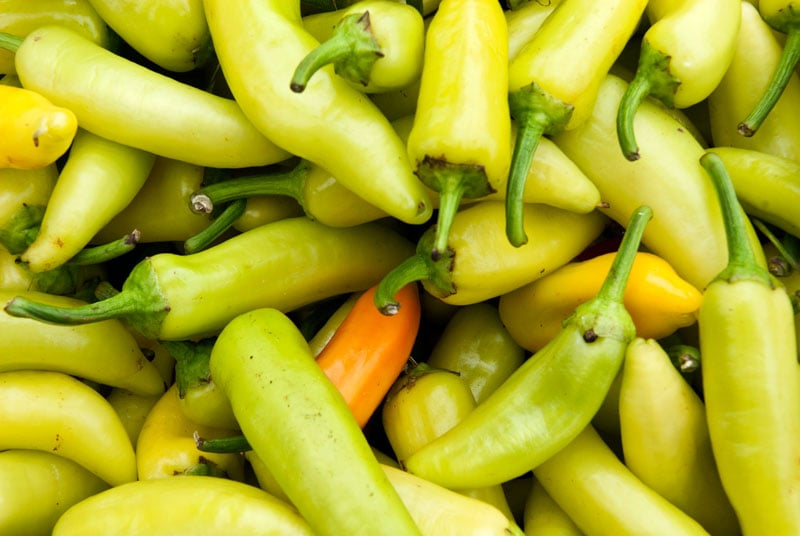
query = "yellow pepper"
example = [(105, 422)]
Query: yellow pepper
[(657, 298), (35, 131)]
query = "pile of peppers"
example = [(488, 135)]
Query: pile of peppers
[(423, 267)]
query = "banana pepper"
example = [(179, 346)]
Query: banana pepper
[(460, 144), (658, 300), (259, 44), (554, 80)]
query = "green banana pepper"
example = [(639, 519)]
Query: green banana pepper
[(259, 44), (750, 379), (548, 400), (297, 423), (285, 264)]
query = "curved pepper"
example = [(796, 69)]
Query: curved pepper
[(658, 300), (277, 391), (196, 504), (767, 186), (477, 346), (553, 81), (35, 131), (460, 144), (688, 231), (37, 487), (99, 179), (665, 437), (376, 45), (166, 447), (330, 123), (549, 399), (422, 405), (757, 54), (783, 16), (173, 34), (480, 264), (179, 121), (680, 62), (20, 17), (750, 381), (285, 264), (579, 477)]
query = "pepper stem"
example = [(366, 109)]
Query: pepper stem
[(637, 90), (742, 262), (21, 229), (453, 181), (116, 306), (536, 113), (780, 79), (10, 42), (290, 183), (352, 49), (106, 252), (218, 226), (222, 445), (191, 362), (613, 288)]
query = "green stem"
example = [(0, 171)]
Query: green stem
[(780, 79), (787, 255), (635, 93), (116, 306), (10, 42), (21, 229), (415, 268), (191, 362), (613, 288), (218, 226), (106, 252), (742, 263), (684, 357), (352, 49), (528, 135), (290, 183), (223, 445), (449, 201)]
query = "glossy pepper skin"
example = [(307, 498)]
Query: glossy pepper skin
[(104, 352), (476, 345), (783, 16), (180, 121), (460, 142), (165, 446), (688, 232), (768, 186), (750, 381), (680, 63), (554, 80), (98, 180), (173, 34), (264, 365), (757, 54), (480, 264), (20, 17), (377, 45), (258, 45), (658, 300), (176, 297), (37, 487), (664, 435), (35, 131), (194, 503), (549, 399), (578, 478)]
